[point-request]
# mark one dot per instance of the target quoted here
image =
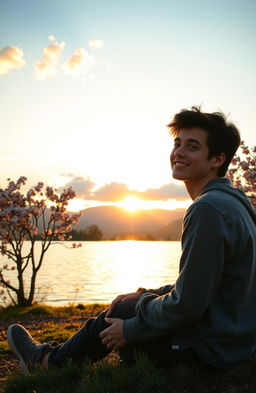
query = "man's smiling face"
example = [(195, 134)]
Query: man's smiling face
[(189, 157)]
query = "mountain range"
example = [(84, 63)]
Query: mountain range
[(116, 222)]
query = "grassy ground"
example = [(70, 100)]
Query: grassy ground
[(109, 376)]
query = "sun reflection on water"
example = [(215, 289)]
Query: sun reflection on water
[(102, 270), (131, 263)]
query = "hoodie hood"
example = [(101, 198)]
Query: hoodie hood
[(225, 185)]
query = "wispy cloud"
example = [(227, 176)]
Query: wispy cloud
[(114, 192), (47, 65), (97, 44), (10, 57), (79, 63)]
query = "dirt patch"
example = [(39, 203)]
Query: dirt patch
[(9, 364)]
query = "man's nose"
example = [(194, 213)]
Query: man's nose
[(180, 151)]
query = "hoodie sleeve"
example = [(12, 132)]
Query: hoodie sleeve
[(203, 250), (158, 291)]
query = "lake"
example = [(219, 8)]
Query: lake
[(99, 271)]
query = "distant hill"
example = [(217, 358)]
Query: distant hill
[(171, 231), (114, 221)]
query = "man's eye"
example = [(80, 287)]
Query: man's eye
[(193, 147), (176, 145)]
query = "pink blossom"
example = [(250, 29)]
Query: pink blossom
[(244, 165), (243, 172), (22, 180), (39, 186), (21, 216), (31, 193)]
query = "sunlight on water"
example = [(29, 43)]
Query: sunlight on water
[(99, 271)]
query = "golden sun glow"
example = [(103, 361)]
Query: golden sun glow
[(75, 205), (131, 204), (125, 262)]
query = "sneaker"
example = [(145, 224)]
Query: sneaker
[(29, 351)]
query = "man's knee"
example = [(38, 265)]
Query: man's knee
[(124, 310)]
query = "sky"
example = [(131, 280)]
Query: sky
[(88, 87)]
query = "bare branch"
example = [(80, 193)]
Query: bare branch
[(6, 283)]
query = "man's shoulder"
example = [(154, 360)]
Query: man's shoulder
[(217, 201), (216, 196)]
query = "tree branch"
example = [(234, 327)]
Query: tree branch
[(7, 284)]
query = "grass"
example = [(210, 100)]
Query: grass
[(51, 331), (110, 376), (143, 377), (4, 347), (41, 309)]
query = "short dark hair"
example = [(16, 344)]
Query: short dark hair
[(222, 136)]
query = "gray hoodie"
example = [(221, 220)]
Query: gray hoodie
[(212, 305)]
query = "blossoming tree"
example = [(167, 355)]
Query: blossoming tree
[(29, 216), (243, 171)]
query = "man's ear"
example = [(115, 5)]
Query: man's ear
[(218, 160)]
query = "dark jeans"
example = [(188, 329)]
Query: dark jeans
[(86, 344)]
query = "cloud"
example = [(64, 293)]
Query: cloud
[(115, 192), (47, 65), (96, 44), (51, 38), (10, 57), (82, 186), (165, 192), (112, 192), (79, 63)]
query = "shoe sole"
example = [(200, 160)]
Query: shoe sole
[(23, 365)]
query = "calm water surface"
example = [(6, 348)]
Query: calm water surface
[(98, 271)]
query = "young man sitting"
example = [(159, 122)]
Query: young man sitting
[(208, 315)]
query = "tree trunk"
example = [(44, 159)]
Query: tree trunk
[(21, 299), (32, 287)]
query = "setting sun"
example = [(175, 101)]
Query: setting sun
[(131, 204)]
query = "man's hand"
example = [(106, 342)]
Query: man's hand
[(113, 336), (121, 298)]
